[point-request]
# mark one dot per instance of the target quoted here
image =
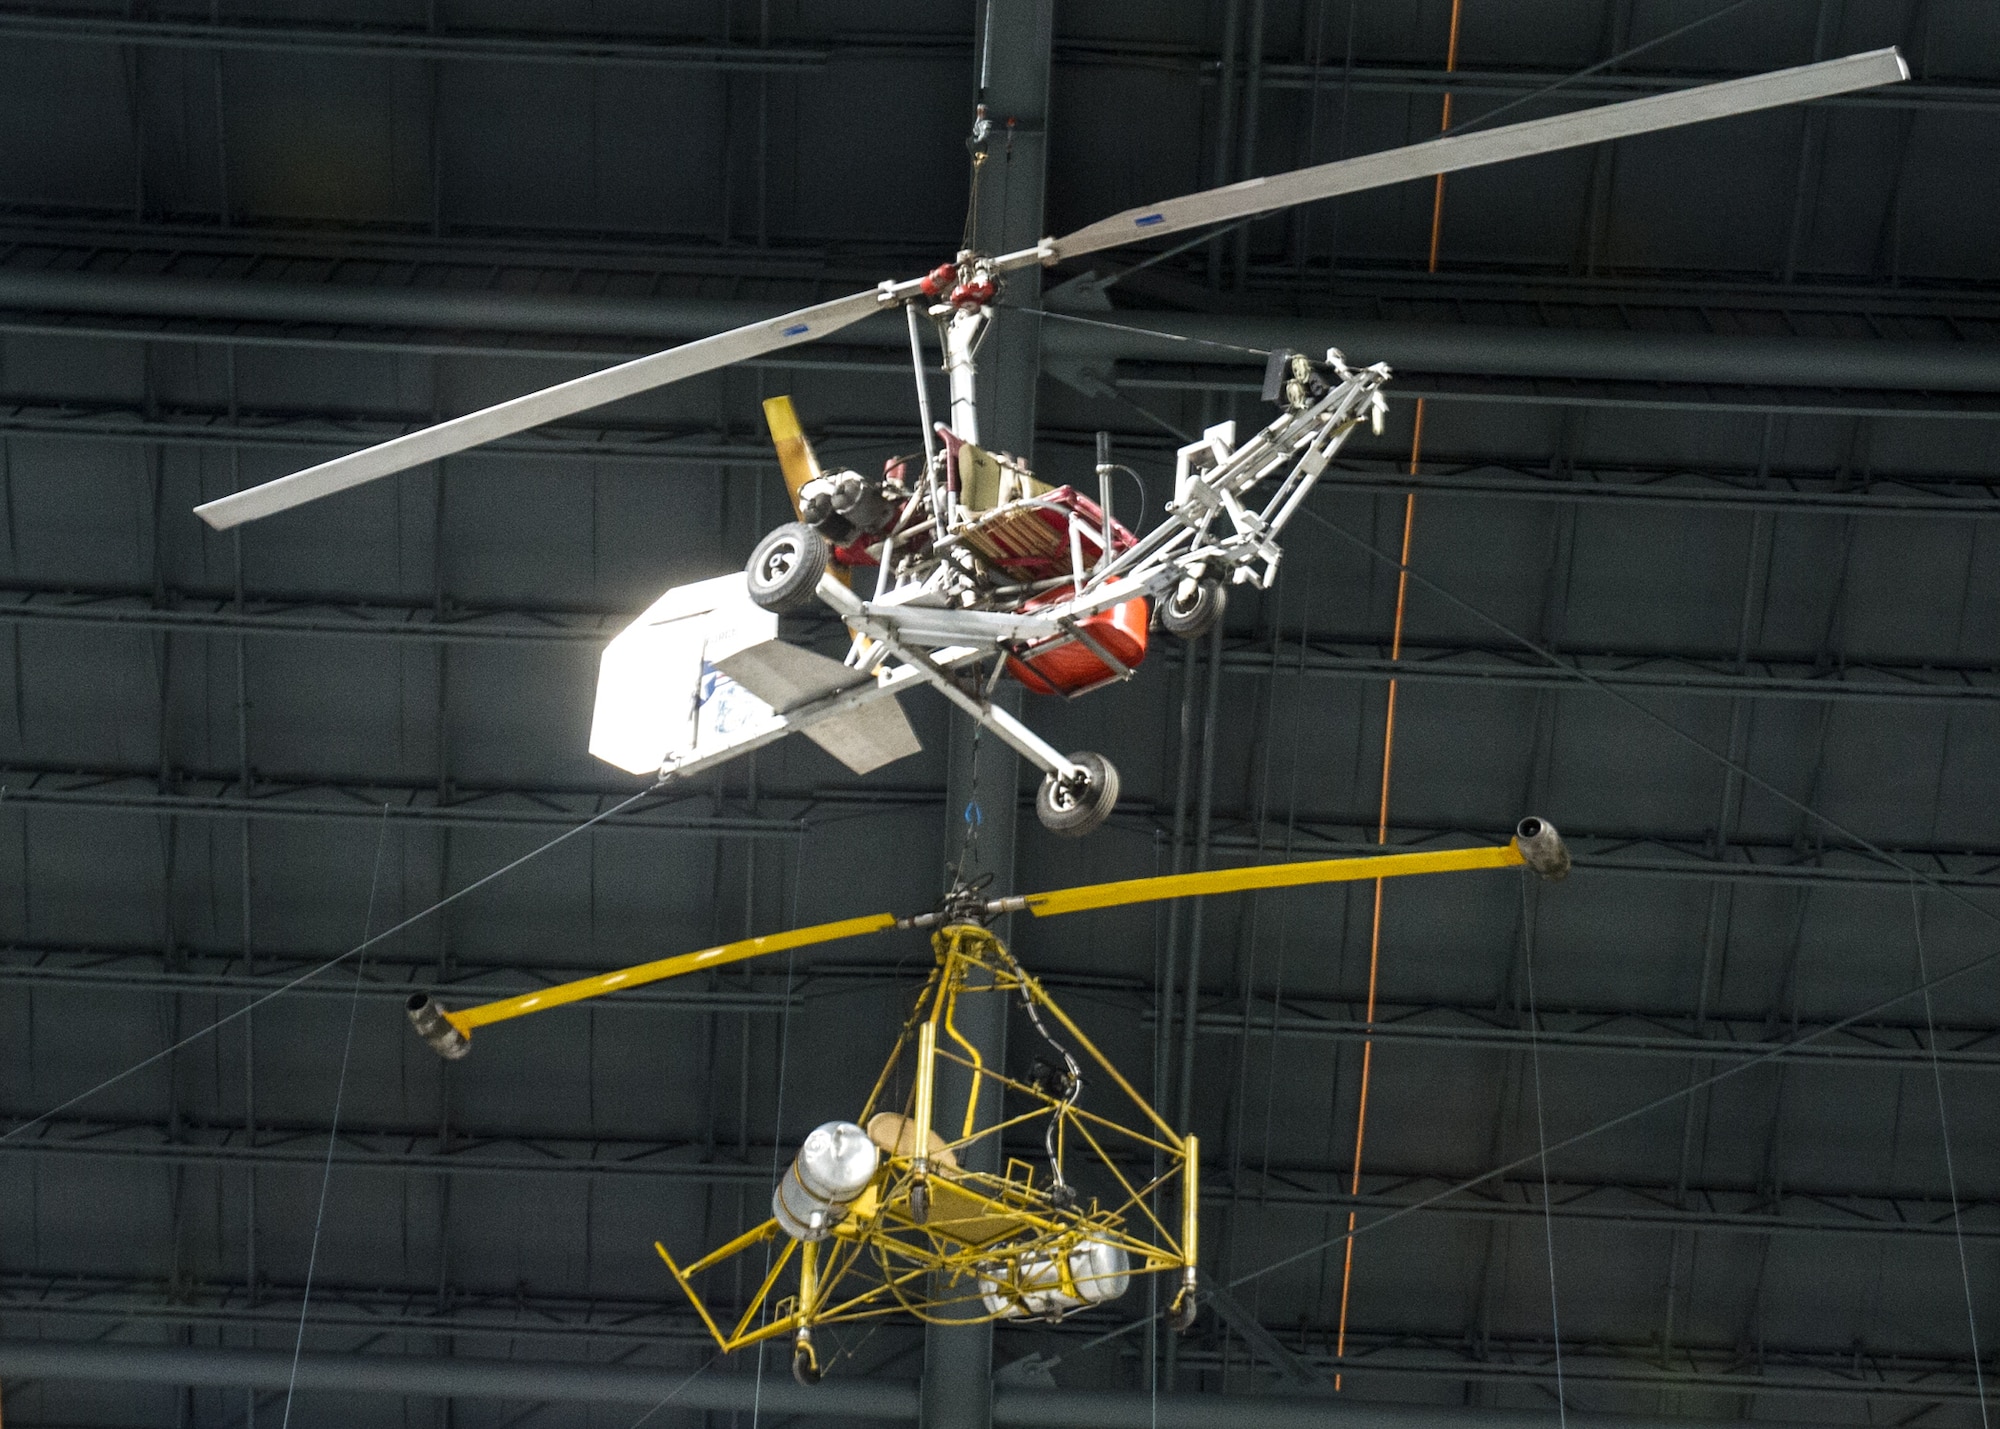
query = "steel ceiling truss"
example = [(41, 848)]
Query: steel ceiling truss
[(1760, 674), (365, 1319), (1282, 1193), (194, 793), (1972, 495), (1703, 1035)]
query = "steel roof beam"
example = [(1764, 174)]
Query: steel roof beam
[(613, 50), (491, 46), (1652, 1033), (1331, 80), (515, 1315), (572, 1381), (1476, 351), (1973, 495), (1726, 1040), (217, 973), (1769, 675), (610, 262), (1313, 1189), (1630, 853), (198, 795)]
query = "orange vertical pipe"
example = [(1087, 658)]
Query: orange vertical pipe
[(1389, 748)]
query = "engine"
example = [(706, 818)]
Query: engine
[(845, 505)]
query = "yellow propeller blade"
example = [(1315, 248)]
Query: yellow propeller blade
[(795, 454), (1266, 875), (1536, 845), (449, 1032)]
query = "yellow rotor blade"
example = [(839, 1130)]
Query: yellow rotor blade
[(1268, 875), (676, 966), (795, 453)]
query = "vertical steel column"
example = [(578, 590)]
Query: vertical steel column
[(983, 774)]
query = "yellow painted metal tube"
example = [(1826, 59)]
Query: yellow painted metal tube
[(808, 1282), (920, 1138), (1271, 875), (1191, 1201), (676, 966), (687, 1289)]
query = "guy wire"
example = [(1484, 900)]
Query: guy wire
[(778, 1116), (333, 1129), (1585, 677), (1950, 1169), (305, 977), (1542, 1141)]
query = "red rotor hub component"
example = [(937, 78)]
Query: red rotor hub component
[(939, 280), (974, 294)]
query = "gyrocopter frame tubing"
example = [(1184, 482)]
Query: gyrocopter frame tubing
[(1307, 439), (929, 1235), (1535, 844), (1008, 728)]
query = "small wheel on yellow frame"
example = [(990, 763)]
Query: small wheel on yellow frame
[(805, 1364), (1181, 1316)]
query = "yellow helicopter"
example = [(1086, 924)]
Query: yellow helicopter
[(884, 1214)]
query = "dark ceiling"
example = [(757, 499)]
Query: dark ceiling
[(1706, 569)]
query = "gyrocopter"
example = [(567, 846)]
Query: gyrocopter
[(885, 1214), (957, 568)]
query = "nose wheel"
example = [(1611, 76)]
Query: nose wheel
[(1075, 806), (785, 568)]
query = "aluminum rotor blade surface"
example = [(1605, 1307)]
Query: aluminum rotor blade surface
[(1268, 875), (677, 966), (566, 399), (1488, 146)]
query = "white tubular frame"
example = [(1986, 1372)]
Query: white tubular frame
[(1182, 545), (936, 670)]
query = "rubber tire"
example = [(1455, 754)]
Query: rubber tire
[(1063, 814), (1198, 616), (803, 1369), (785, 568)]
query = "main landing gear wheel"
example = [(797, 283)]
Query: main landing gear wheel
[(1074, 809), (785, 568), (1193, 608), (805, 1364)]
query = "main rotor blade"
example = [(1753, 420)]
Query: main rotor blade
[(566, 399), (677, 966), (1487, 146), (796, 458), (1263, 875)]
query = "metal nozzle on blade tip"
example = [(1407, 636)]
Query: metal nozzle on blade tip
[(1542, 848), (429, 1020)]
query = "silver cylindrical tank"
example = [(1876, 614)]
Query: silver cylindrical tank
[(833, 1167), (1031, 1287)]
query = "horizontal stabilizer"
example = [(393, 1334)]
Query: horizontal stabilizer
[(782, 675), (867, 737)]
